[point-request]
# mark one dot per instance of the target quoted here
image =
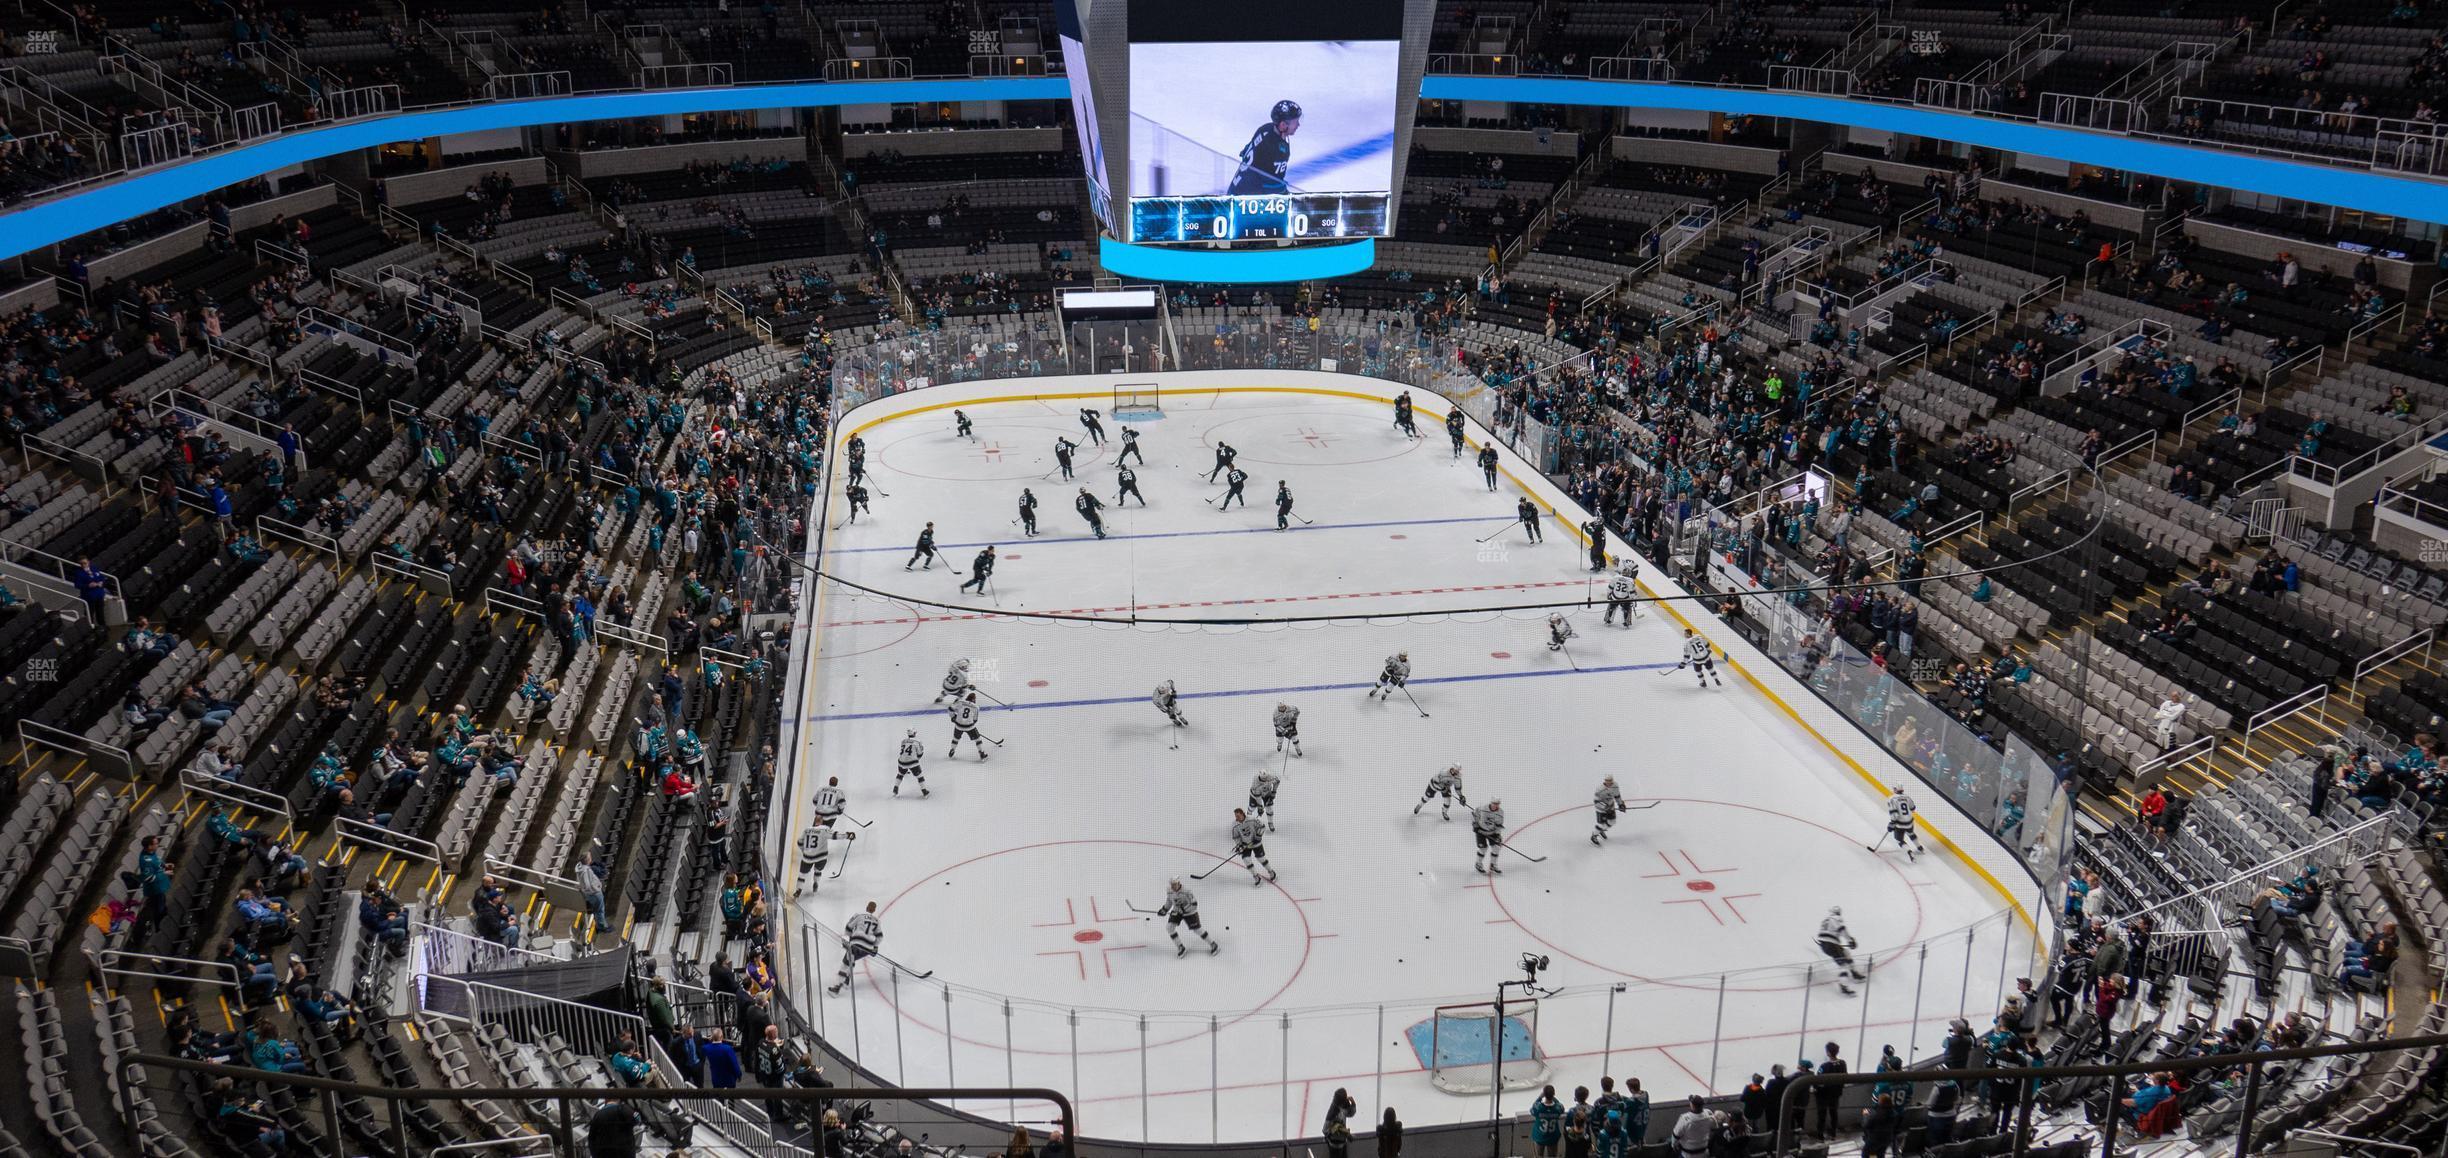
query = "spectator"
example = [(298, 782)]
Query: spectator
[(1825, 1097), (1547, 1123), (612, 1131), (722, 1062), (1694, 1129), (1338, 1131), (1389, 1135)]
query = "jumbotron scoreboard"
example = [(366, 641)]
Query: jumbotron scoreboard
[(1268, 121)]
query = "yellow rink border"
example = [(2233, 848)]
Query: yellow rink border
[(1878, 788)]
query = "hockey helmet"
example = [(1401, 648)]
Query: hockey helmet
[(1628, 567), (1285, 111), (1833, 911), (1402, 655), (961, 663), (1173, 885), (912, 733)]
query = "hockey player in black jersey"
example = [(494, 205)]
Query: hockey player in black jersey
[(1266, 161), (1028, 512), (1403, 421), (1595, 529), (926, 549), (1130, 448), (858, 500), (1234, 480), (981, 569), (1528, 513), (1453, 429), (1127, 486), (1062, 454), (1224, 459), (961, 426), (1487, 466), (1088, 505), (1283, 504), (1096, 429)]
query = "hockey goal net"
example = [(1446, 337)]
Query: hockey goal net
[(1137, 398), (1470, 1049)]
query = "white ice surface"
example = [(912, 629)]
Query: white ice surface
[(1014, 881)]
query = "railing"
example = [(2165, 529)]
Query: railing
[(688, 74), (2420, 640), (271, 528), (2313, 699), (2395, 312), (511, 86), (2327, 475), (2150, 772), (1474, 63), (2360, 839), (1650, 69), (30, 733), (236, 795), (2084, 110), (446, 950), (1804, 78), (869, 68), (116, 963), (391, 841)]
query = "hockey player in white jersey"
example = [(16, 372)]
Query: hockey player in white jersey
[(1559, 630), (1900, 827), (1607, 801), (1623, 593), (1837, 942), (1487, 831), (816, 851), (964, 713), (1168, 702), (907, 764), (831, 801), (1287, 728), (1249, 843), (1181, 908), (1262, 796), (860, 937), (1397, 673), (955, 682), (1448, 785), (1700, 656)]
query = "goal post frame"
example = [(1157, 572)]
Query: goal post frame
[(1514, 1023), (1141, 396)]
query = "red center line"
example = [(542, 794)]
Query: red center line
[(947, 618)]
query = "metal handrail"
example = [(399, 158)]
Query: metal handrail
[(2315, 697), (106, 962), (233, 793)]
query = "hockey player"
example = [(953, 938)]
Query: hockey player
[(1608, 801), (1287, 728), (907, 764), (1062, 455), (1528, 513), (1262, 796), (1096, 429), (955, 681), (1397, 672), (964, 713), (1487, 466), (981, 569), (1266, 161), (1249, 843), (1700, 656), (1403, 420), (1126, 487), (1837, 942), (856, 450), (1559, 630), (1130, 448), (1088, 505), (860, 937), (925, 549), (815, 852), (1224, 455), (1900, 827), (1179, 909), (1233, 480), (1448, 785), (1170, 704), (1453, 429), (1028, 513), (831, 802), (1487, 831), (1623, 592), (858, 500), (1595, 531), (961, 426), (1283, 504)]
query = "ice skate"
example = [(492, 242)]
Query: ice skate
[(922, 791), (1180, 950), (1213, 947)]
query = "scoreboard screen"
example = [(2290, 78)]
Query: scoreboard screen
[(1292, 216), (1267, 120)]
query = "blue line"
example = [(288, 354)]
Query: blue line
[(1109, 700), (1041, 539)]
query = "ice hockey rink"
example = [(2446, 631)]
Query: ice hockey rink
[(1680, 950)]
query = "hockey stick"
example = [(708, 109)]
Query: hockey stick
[(1228, 859), (989, 695), (1566, 648), (1500, 530), (1136, 909), (1406, 690), (857, 821), (1639, 807), (844, 866), (1306, 522), (989, 739), (1523, 855)]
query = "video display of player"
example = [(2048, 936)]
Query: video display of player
[(1083, 107), (1235, 141)]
